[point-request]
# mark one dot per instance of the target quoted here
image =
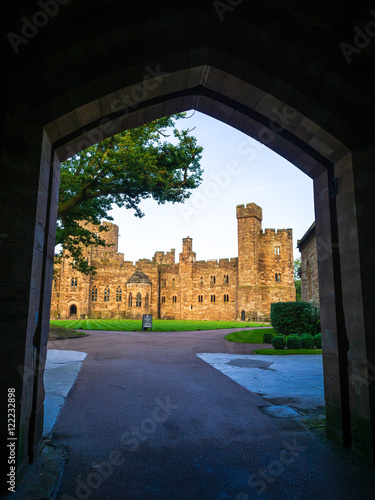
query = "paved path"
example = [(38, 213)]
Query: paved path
[(148, 419)]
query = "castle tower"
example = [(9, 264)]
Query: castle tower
[(249, 228), (186, 265)]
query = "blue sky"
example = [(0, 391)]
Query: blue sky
[(237, 170)]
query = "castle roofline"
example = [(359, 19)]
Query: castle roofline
[(139, 277)]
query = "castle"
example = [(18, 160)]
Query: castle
[(239, 288)]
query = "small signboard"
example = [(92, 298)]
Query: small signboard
[(147, 322)]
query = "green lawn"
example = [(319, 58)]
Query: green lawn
[(159, 325), (61, 332), (286, 352), (249, 336)]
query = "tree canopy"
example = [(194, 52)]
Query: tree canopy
[(122, 170)]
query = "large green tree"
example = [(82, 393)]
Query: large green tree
[(122, 170)]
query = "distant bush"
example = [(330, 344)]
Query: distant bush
[(318, 340), (279, 342), (293, 342), (307, 341), (267, 338), (297, 317)]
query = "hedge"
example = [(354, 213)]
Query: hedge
[(318, 340), (293, 342), (307, 341), (267, 338), (296, 317), (279, 342)]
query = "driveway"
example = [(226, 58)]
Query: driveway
[(148, 419)]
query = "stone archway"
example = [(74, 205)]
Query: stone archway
[(264, 79), (73, 311)]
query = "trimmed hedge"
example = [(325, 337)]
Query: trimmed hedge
[(279, 342), (293, 342), (297, 317), (267, 338), (318, 340), (307, 341)]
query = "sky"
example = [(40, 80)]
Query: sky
[(237, 170)]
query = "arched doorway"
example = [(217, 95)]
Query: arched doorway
[(73, 311), (286, 83), (242, 315)]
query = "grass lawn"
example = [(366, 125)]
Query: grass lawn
[(286, 352), (159, 325), (60, 332), (249, 336)]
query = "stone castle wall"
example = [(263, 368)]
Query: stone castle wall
[(229, 289)]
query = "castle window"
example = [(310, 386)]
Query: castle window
[(94, 294), (200, 298), (201, 280), (226, 278), (213, 280), (278, 250), (226, 297), (73, 282), (147, 300), (213, 298), (174, 298), (173, 282), (118, 294), (138, 300), (130, 300), (277, 277), (164, 282), (106, 294), (163, 300)]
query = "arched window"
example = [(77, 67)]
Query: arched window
[(130, 300), (73, 282), (118, 294), (94, 294), (106, 294), (138, 300), (201, 280), (226, 297), (278, 250), (147, 300), (200, 298), (213, 298), (275, 250), (226, 278), (173, 282), (174, 298), (213, 280)]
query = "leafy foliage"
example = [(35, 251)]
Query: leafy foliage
[(293, 342), (296, 317), (297, 278), (279, 342), (267, 338), (318, 340), (307, 341), (123, 170)]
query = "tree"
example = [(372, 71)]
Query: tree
[(122, 170), (297, 278)]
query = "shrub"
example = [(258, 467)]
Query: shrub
[(298, 317), (267, 338), (307, 341), (318, 340), (279, 342), (293, 342)]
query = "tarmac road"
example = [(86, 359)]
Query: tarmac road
[(148, 419)]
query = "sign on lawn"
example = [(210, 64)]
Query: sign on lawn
[(147, 321)]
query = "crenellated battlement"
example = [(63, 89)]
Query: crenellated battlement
[(250, 210)]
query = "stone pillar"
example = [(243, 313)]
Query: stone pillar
[(346, 249), (28, 201)]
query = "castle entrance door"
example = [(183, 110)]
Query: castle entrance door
[(242, 315), (73, 311)]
